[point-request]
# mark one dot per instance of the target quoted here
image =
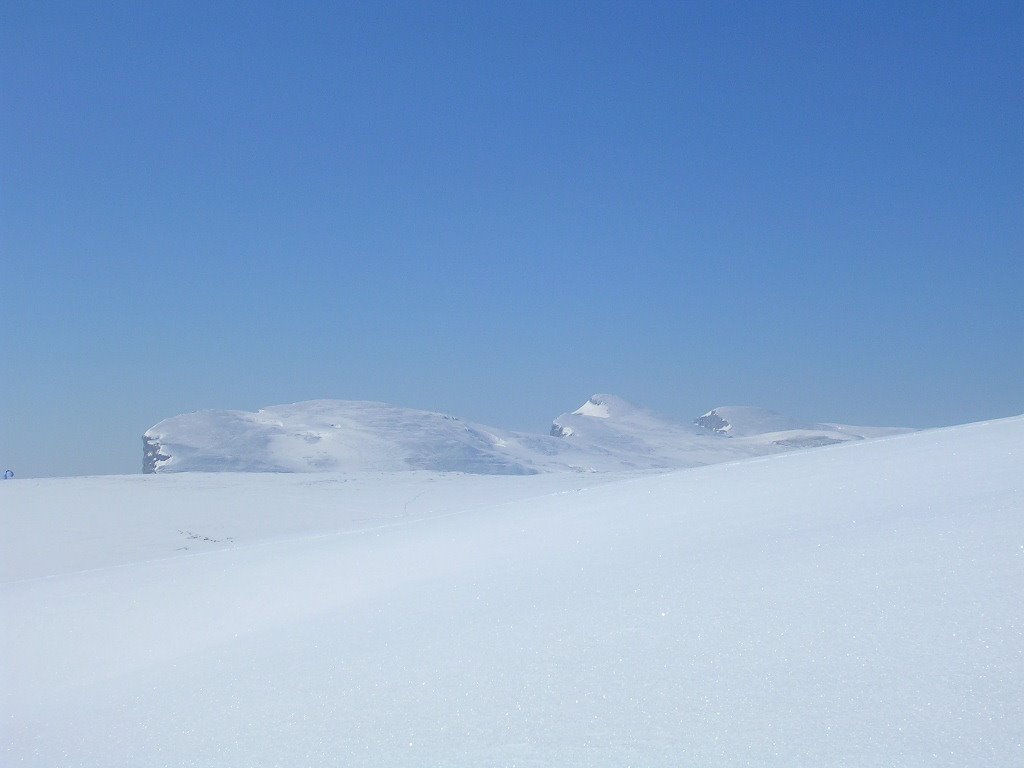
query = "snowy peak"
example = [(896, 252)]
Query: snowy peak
[(604, 406), (593, 408), (606, 412)]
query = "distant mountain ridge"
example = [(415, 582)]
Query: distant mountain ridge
[(726, 433), (747, 421), (605, 434)]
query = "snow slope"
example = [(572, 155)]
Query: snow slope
[(854, 605), (119, 520), (604, 434), (637, 437)]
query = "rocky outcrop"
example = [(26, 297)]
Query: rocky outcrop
[(713, 421), (153, 456), (557, 430)]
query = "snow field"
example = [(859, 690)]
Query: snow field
[(853, 605)]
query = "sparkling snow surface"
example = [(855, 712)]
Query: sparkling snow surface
[(854, 605)]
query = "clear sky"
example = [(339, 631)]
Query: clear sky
[(498, 209)]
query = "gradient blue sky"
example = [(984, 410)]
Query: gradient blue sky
[(497, 210)]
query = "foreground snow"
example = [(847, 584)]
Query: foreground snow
[(849, 605)]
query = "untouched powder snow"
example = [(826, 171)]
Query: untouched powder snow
[(854, 605)]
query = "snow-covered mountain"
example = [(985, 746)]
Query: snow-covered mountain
[(857, 605), (354, 436), (329, 435), (749, 421), (605, 434), (730, 433)]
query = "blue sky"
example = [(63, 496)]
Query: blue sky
[(497, 210)]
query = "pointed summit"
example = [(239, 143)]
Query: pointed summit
[(605, 406)]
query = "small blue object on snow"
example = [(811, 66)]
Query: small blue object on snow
[(8, 474)]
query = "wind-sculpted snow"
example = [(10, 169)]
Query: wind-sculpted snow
[(853, 605), (605, 434)]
